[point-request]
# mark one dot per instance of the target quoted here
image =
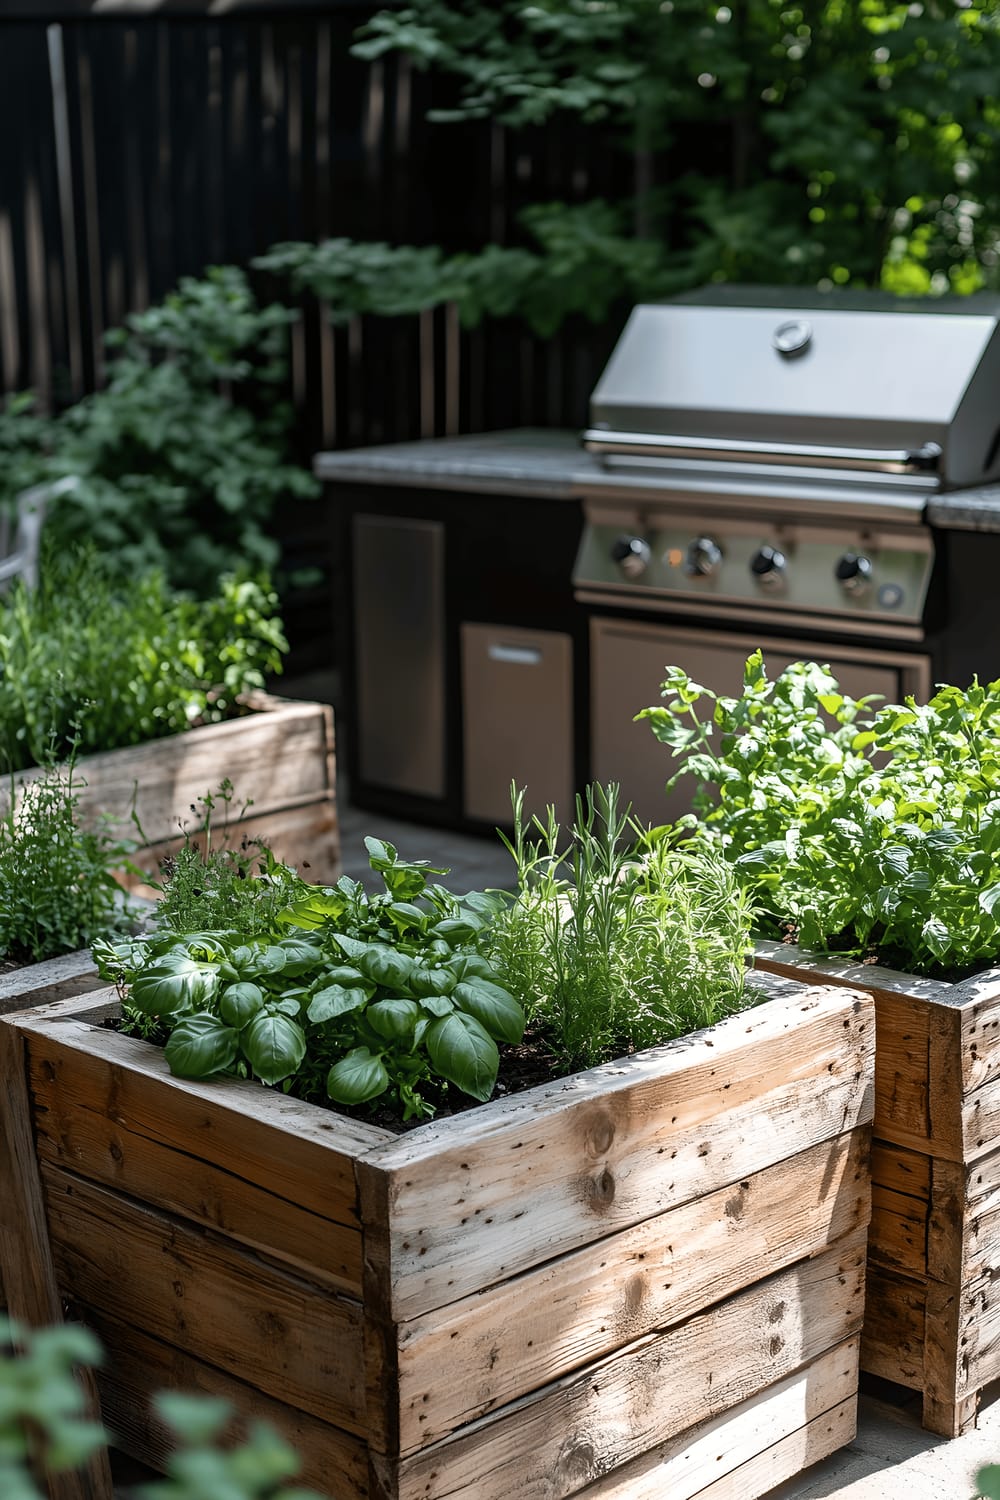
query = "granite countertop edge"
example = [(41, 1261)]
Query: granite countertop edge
[(551, 465)]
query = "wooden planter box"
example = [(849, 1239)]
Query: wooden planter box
[(280, 758), (55, 979), (933, 1315), (641, 1281)]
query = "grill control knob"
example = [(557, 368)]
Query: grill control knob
[(632, 555), (703, 557), (853, 572), (768, 565)]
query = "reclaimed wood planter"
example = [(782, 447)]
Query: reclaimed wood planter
[(54, 979), (279, 758), (640, 1281), (933, 1317)]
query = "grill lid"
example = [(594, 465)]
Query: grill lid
[(857, 385)]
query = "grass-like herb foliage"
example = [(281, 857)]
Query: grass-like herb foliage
[(44, 1424), (856, 827), (616, 940), (99, 660), (333, 993), (57, 888)]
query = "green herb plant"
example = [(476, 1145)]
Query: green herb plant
[(341, 995), (44, 1423), (857, 828), (97, 659), (57, 887), (616, 940)]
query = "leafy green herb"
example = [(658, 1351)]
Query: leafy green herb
[(855, 827), (99, 660), (57, 887), (617, 941), (332, 993)]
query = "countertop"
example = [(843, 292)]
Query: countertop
[(550, 463)]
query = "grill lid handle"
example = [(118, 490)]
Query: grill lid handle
[(922, 460)]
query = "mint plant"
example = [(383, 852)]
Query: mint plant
[(857, 828), (346, 995)]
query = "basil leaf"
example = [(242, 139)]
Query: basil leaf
[(357, 1077), (394, 1018), (464, 1053), (199, 1046), (335, 1000), (239, 1003), (273, 1045), (496, 1010), (299, 955), (172, 985)]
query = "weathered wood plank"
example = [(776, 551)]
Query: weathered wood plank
[(752, 1448), (580, 1429), (892, 1343), (980, 1121), (900, 1170), (215, 1301), (460, 1362), (279, 758), (305, 837), (902, 1071), (980, 1034), (902, 1063), (899, 1231), (106, 1151), (142, 1363), (608, 1148), (54, 979), (27, 1271), (294, 1150)]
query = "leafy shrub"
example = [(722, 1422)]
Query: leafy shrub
[(618, 941), (339, 994), (584, 260), (856, 827), (101, 660), (43, 1415), (57, 889), (181, 457)]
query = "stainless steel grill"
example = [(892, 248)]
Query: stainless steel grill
[(765, 467), (779, 461)]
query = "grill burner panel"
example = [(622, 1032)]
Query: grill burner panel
[(852, 578)]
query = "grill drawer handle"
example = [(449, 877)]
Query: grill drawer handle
[(516, 656)]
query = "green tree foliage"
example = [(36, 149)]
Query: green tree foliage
[(850, 142), (181, 457)]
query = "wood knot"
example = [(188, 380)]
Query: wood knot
[(600, 1135), (601, 1191), (577, 1461), (635, 1293)]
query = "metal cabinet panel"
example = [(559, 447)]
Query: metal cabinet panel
[(517, 719), (400, 653), (628, 664)]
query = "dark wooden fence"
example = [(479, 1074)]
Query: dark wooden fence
[(141, 141)]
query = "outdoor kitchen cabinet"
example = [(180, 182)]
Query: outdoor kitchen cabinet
[(466, 656)]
